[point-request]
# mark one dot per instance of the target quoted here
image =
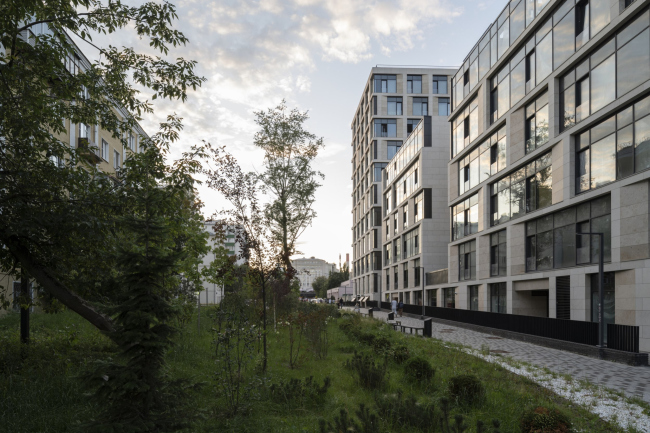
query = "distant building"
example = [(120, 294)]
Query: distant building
[(345, 290), (213, 293), (308, 269)]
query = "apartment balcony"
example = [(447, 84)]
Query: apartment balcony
[(88, 150)]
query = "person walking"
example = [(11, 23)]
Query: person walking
[(393, 306), (400, 308)]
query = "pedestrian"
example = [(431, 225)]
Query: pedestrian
[(340, 303), (393, 306), (356, 307), (400, 308)]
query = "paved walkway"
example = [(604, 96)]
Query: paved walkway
[(633, 381)]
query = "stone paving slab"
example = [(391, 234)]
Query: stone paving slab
[(633, 381)]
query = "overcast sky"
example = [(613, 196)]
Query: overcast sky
[(317, 55)]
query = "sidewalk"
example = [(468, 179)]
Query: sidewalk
[(633, 381)]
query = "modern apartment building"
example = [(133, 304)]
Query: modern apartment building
[(550, 139), (400, 142), (308, 269)]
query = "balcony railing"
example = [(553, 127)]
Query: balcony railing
[(88, 150)]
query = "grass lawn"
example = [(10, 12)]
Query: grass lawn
[(40, 390)]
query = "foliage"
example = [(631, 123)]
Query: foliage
[(184, 301), (234, 343), (316, 331), (343, 423), (381, 345), (320, 286), (419, 369), (400, 353), (406, 411), (466, 389), (545, 420), (369, 373), (300, 393)]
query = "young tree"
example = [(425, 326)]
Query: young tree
[(288, 178), (320, 286), (57, 209)]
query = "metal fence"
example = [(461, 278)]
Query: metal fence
[(619, 337)]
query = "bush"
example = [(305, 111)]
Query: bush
[(371, 375), (381, 345), (419, 369), (466, 389), (544, 420), (299, 393), (400, 354), (368, 422), (402, 411)]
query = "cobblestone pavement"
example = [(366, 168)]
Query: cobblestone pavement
[(633, 381)]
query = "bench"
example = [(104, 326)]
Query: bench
[(411, 328)]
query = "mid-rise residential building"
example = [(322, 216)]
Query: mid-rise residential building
[(308, 269), (550, 134), (212, 292), (400, 142)]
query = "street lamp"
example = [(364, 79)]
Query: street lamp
[(417, 268), (601, 292)]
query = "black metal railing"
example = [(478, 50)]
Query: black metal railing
[(623, 337)]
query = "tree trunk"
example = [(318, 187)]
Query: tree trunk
[(25, 301), (54, 287)]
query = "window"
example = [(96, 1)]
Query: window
[(387, 255), (564, 34), (498, 298), (420, 106), (417, 273), (387, 279), (378, 168), (407, 183), (432, 297), (405, 273), (131, 142), (116, 160), (411, 242), (465, 128), (418, 210), (484, 161), (414, 84), (395, 218), (386, 127), (449, 297), (395, 278), (615, 148), (394, 106), (443, 106), (537, 123), (439, 85), (582, 23), (392, 148), (411, 124), (473, 296), (405, 216), (553, 241), (526, 190), (105, 151), (467, 261), (500, 94), (385, 83), (498, 257), (464, 218)]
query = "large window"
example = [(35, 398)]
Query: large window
[(498, 255), (537, 123), (418, 209), (385, 127), (405, 273), (417, 273), (473, 298), (618, 66), (411, 242), (391, 148), (378, 168), (440, 85), (616, 148), (498, 298), (526, 190), (420, 106), (414, 84), (486, 160), (464, 218), (387, 255), (467, 261), (385, 83), (397, 250), (449, 297), (394, 106), (552, 241), (465, 128), (411, 124), (407, 183), (443, 106)]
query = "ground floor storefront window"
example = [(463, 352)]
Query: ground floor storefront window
[(498, 298), (449, 297), (473, 298)]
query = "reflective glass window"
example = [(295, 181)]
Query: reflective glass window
[(544, 58), (564, 39), (504, 37), (633, 63), (600, 15), (603, 84)]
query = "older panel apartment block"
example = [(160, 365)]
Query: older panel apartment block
[(550, 129), (400, 141)]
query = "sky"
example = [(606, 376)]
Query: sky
[(316, 54)]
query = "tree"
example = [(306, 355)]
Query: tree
[(58, 210), (288, 178), (320, 286)]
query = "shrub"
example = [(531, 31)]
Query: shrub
[(400, 354), (299, 393), (419, 369), (368, 422), (544, 420), (466, 389), (371, 374), (406, 411), (381, 345)]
